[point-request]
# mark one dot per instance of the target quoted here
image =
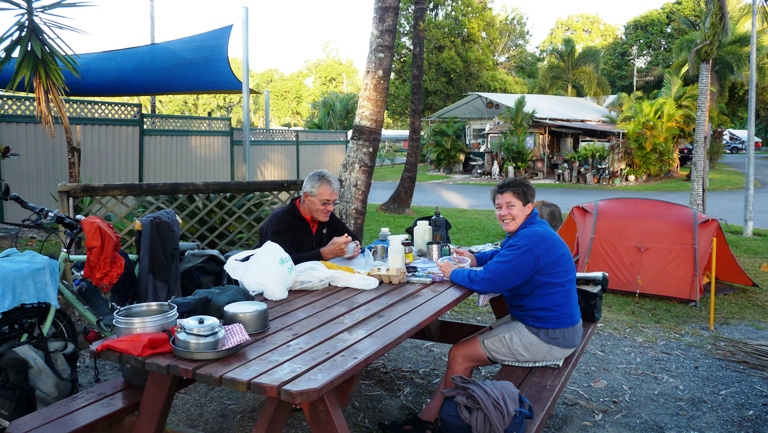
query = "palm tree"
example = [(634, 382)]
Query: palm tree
[(568, 70), (358, 165), (400, 200), (715, 29), (513, 145), (335, 112), (42, 54)]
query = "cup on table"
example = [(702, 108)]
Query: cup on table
[(379, 253), (434, 251)]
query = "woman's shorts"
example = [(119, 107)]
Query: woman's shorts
[(510, 341)]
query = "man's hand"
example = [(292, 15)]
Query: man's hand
[(337, 247)]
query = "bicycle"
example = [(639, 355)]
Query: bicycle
[(43, 319)]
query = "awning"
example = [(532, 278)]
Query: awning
[(192, 65)]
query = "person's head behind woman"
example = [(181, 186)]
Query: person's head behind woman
[(513, 200)]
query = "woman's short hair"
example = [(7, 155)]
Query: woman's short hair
[(318, 178), (520, 188)]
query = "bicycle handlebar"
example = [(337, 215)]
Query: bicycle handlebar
[(43, 213)]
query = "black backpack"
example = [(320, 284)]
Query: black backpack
[(201, 269)]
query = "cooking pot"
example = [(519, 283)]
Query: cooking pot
[(199, 333), (252, 314), (145, 317)]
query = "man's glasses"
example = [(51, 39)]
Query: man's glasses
[(326, 203)]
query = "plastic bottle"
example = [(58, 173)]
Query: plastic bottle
[(422, 234), (395, 254), (438, 227), (384, 233)]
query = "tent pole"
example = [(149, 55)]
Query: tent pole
[(246, 99), (712, 286)]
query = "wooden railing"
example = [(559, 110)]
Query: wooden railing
[(224, 216)]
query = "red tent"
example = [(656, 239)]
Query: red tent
[(650, 246)]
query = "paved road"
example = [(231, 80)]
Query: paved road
[(727, 205)]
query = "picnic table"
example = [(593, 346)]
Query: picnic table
[(313, 354)]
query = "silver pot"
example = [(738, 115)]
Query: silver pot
[(145, 317), (199, 333), (252, 314)]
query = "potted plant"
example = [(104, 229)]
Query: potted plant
[(445, 145)]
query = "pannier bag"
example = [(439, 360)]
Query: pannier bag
[(472, 405), (36, 375), (591, 287)]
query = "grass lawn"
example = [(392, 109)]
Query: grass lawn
[(721, 178), (643, 315)]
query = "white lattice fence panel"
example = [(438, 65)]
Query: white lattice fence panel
[(167, 123), (25, 106)]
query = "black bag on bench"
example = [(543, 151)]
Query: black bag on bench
[(591, 287)]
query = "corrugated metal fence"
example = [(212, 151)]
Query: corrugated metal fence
[(121, 144)]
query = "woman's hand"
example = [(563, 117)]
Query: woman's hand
[(467, 254), (446, 267)]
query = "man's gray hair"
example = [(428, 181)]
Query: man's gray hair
[(318, 178)]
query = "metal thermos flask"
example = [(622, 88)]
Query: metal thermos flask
[(437, 222)]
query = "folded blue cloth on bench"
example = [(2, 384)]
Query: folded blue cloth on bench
[(27, 278)]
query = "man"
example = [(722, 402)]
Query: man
[(307, 228)]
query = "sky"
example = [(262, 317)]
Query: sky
[(285, 34)]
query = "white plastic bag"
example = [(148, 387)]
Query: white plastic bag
[(314, 275), (311, 275), (267, 270)]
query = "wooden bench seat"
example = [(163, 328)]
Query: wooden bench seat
[(98, 408), (542, 386), (86, 411)]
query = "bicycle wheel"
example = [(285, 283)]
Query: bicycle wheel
[(27, 320)]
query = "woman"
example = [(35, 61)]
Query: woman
[(535, 272)]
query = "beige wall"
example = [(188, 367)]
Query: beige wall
[(186, 158)]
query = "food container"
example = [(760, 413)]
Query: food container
[(387, 274), (458, 261), (252, 314), (145, 317), (200, 334)]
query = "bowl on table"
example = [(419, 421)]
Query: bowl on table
[(458, 261)]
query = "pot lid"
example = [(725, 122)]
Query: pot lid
[(201, 325), (245, 307)]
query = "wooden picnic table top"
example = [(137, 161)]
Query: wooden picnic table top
[(313, 353)]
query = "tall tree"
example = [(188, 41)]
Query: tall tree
[(400, 200), (571, 72), (715, 28), (360, 160), (460, 42), (42, 54), (647, 41), (585, 30)]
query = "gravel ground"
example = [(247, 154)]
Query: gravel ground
[(623, 383)]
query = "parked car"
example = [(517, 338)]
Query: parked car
[(734, 146), (685, 154)]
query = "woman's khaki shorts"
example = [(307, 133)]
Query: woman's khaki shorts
[(510, 341)]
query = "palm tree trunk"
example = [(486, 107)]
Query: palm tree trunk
[(360, 160), (699, 142), (400, 200)]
